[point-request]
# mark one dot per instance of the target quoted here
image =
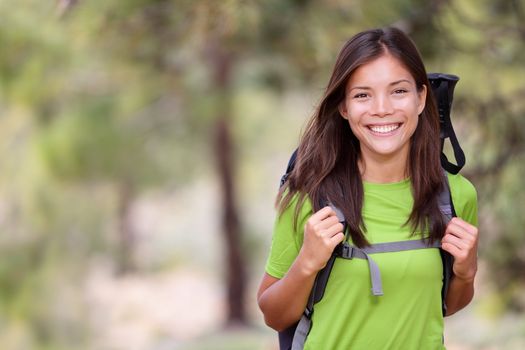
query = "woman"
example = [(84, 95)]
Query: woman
[(372, 149)]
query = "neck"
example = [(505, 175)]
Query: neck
[(383, 169)]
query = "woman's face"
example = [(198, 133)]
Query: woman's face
[(382, 105)]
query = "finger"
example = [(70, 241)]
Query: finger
[(463, 241), (451, 248), (458, 242), (471, 229), (461, 256), (322, 214), (322, 226), (336, 239), (459, 231), (333, 230), (316, 227), (327, 223)]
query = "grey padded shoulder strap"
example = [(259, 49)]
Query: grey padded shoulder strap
[(301, 332), (445, 200)]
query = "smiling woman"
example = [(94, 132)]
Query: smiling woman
[(368, 175)]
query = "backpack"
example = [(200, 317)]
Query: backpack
[(294, 337)]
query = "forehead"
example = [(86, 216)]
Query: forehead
[(383, 70)]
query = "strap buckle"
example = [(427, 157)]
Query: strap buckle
[(308, 312), (348, 251)]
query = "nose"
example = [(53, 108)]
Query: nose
[(382, 106)]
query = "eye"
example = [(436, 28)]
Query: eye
[(360, 95), (400, 91)]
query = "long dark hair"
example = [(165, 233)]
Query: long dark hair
[(328, 152)]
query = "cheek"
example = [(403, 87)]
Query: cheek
[(355, 126), (410, 109), (356, 110), (410, 106)]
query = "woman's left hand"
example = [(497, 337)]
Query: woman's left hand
[(461, 241)]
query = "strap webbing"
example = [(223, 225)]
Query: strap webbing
[(349, 252), (301, 332)]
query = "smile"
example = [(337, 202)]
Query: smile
[(384, 129)]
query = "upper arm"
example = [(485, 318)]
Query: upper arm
[(464, 197), (287, 239)]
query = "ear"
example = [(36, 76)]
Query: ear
[(343, 110), (421, 99)]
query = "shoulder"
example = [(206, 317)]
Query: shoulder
[(460, 186), (464, 197), (286, 217), (287, 237)]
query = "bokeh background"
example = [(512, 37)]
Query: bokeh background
[(142, 143)]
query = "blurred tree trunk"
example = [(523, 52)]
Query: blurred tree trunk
[(126, 236), (221, 63)]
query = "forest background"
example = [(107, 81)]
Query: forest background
[(142, 143)]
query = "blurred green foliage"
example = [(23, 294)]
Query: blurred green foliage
[(103, 100)]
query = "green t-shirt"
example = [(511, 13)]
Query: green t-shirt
[(408, 315)]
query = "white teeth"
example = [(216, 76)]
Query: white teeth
[(383, 129)]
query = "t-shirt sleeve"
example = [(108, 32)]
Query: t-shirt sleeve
[(464, 197), (287, 241)]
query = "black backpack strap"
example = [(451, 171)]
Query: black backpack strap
[(289, 168), (447, 209), (286, 337), (294, 337), (443, 89)]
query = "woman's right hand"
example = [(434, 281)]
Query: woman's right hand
[(322, 233), (282, 301)]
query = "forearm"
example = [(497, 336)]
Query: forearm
[(459, 295), (283, 302)]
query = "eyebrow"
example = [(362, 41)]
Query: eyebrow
[(391, 84)]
